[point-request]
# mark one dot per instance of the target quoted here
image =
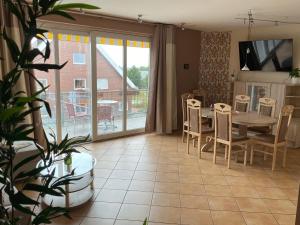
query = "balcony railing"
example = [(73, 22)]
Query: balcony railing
[(76, 111)]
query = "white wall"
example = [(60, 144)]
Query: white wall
[(261, 33)]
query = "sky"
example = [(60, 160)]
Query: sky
[(135, 56)]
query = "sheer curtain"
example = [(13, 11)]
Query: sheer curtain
[(162, 107), (25, 83)]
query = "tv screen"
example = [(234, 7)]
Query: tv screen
[(266, 55)]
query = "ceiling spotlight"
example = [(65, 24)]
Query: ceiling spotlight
[(182, 26), (139, 19)]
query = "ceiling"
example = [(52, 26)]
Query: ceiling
[(212, 15)]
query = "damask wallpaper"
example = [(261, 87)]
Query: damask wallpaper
[(214, 66)]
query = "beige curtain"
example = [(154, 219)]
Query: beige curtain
[(25, 83), (162, 107)]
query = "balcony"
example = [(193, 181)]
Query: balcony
[(76, 113)]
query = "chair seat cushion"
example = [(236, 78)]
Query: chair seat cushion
[(236, 138), (269, 138)]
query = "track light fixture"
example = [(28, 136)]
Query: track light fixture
[(139, 19)]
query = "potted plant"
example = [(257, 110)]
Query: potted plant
[(295, 76), (15, 106)]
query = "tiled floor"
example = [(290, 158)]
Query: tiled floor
[(152, 176)]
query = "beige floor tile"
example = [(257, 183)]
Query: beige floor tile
[(140, 185), (192, 189), (117, 184), (166, 187), (280, 206), (252, 205), (223, 203), (127, 222), (108, 195), (167, 177), (238, 181), (166, 199), (122, 174), (194, 201), (138, 197), (227, 218), (102, 173), (272, 193), (285, 219), (292, 194), (195, 217), (262, 181), (164, 214), (218, 190), (151, 167), (244, 191), (151, 223), (134, 212), (104, 210), (96, 221), (214, 179), (191, 179), (144, 175), (259, 219), (74, 221), (286, 183), (126, 166), (99, 182), (169, 168), (101, 164), (213, 170)]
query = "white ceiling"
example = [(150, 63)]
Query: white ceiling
[(210, 15)]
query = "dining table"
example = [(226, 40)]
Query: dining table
[(243, 120)]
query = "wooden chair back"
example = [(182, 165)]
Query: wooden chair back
[(266, 106), (184, 98), (285, 117), (194, 116), (242, 103), (223, 122), (200, 94)]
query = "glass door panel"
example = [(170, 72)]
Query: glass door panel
[(47, 79), (75, 83), (110, 93), (138, 59)]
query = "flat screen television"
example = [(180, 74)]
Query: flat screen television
[(266, 55)]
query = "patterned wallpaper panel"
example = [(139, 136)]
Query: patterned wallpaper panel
[(214, 66)]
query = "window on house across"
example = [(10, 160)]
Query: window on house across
[(79, 84), (78, 58), (102, 84)]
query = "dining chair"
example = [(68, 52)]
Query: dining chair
[(194, 122), (200, 94), (224, 135), (184, 98), (266, 107), (242, 103), (277, 141)]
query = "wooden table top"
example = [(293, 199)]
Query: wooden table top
[(251, 119)]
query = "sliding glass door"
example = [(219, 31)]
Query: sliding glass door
[(122, 74), (103, 89)]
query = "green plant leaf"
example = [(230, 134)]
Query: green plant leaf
[(42, 189), (62, 13), (69, 6), (44, 67)]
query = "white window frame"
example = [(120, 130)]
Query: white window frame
[(99, 88), (79, 79), (79, 63)]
